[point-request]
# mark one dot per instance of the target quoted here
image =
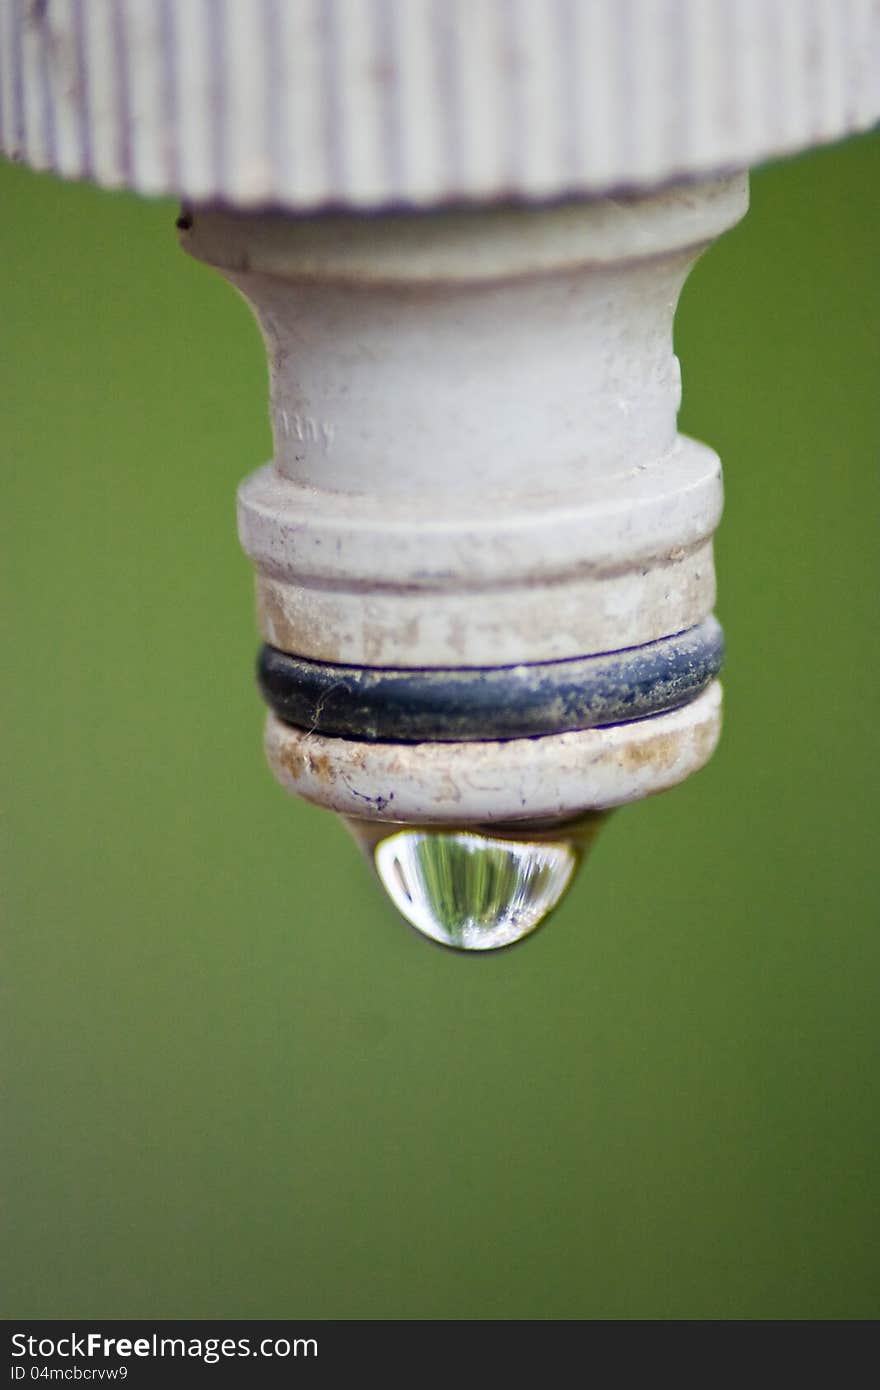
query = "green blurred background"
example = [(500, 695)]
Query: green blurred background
[(240, 1086)]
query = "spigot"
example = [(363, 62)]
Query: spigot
[(484, 554)]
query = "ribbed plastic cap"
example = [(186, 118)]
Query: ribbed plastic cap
[(366, 103)]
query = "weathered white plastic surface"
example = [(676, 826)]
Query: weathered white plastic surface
[(526, 779), (474, 414), (362, 103)]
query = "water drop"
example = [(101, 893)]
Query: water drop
[(470, 890)]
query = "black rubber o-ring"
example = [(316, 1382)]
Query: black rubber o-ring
[(498, 702)]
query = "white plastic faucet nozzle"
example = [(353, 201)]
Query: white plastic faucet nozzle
[(483, 551)]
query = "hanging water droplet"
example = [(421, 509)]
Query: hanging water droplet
[(473, 891)]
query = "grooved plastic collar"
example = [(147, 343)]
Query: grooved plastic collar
[(365, 103)]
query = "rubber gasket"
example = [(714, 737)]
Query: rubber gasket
[(486, 703)]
